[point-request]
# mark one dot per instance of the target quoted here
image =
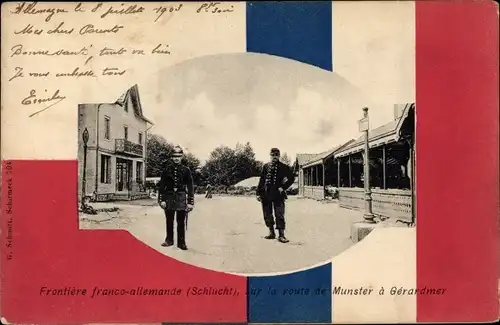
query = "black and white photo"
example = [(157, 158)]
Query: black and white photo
[(248, 164)]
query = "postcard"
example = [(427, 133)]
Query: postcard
[(249, 162)]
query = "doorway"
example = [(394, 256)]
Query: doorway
[(123, 174)]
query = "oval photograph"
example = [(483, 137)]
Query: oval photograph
[(245, 163)]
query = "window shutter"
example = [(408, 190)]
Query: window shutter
[(108, 170), (103, 161)]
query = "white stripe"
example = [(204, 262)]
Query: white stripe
[(385, 258), (374, 49)]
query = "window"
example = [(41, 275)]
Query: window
[(107, 127), (125, 132), (140, 138), (138, 176), (105, 169)]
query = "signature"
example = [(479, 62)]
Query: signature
[(34, 99)]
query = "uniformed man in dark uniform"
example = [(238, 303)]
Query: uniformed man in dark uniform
[(275, 179), (176, 197)]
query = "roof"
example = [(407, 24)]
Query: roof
[(304, 158), (133, 94), (384, 134), (318, 158)]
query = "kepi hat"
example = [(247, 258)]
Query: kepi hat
[(178, 152), (275, 151)]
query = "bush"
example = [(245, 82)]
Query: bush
[(239, 191), (332, 192)]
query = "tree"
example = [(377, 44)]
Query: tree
[(286, 160), (247, 164), (227, 166), (159, 152), (220, 166), (191, 162)]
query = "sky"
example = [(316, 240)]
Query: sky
[(262, 99)]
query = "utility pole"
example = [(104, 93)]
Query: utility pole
[(364, 126), (85, 138)]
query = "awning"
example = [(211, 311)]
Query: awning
[(384, 134), (319, 158)]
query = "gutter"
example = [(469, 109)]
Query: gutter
[(97, 153), (146, 151)]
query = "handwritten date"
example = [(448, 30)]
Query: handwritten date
[(170, 9), (130, 10)]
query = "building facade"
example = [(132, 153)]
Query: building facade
[(300, 160), (392, 169), (115, 159), (317, 172)]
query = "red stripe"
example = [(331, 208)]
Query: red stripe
[(457, 159), (49, 250)]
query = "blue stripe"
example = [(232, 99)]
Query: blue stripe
[(302, 297), (296, 30)]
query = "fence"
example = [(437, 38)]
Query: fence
[(391, 203)]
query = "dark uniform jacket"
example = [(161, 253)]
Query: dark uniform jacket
[(274, 176), (176, 187)]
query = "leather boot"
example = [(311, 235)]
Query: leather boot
[(271, 235), (282, 238), (181, 241), (167, 243)]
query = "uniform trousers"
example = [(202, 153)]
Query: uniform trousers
[(279, 213), (181, 225)]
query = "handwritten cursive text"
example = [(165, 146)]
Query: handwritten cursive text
[(29, 30), (161, 49), (113, 72), (91, 29), (215, 8), (34, 99), (19, 50), (31, 9)]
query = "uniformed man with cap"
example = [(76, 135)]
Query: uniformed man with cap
[(275, 179), (176, 197)]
